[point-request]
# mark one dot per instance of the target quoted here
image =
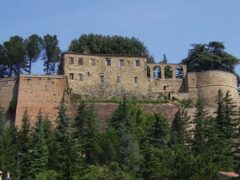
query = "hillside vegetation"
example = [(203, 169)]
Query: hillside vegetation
[(136, 145)]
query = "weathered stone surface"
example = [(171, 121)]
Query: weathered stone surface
[(6, 92), (39, 93)]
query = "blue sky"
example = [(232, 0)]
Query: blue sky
[(165, 26)]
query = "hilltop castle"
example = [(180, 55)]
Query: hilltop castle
[(101, 76)]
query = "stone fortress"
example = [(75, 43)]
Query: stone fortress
[(106, 77)]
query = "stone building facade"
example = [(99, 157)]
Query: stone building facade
[(111, 76)]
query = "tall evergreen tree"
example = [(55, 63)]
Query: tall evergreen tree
[(8, 149), (67, 150), (201, 120), (124, 121), (86, 132), (24, 141), (38, 153), (180, 133)]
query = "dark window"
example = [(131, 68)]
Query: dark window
[(108, 60), (118, 79), (93, 62), (121, 62), (80, 61), (80, 77), (71, 60), (88, 73), (71, 76), (136, 79), (102, 79), (137, 62)]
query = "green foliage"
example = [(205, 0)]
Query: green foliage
[(99, 44), (14, 51), (106, 172), (86, 132), (33, 50), (124, 121), (47, 175), (24, 142), (8, 149), (52, 53), (38, 152), (211, 56), (136, 145), (180, 133), (68, 156)]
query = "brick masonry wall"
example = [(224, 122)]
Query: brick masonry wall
[(104, 111), (6, 91), (39, 93)]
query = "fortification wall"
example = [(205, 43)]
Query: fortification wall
[(205, 86), (39, 93), (6, 91), (104, 111)]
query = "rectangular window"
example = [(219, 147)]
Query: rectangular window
[(80, 61), (71, 60), (93, 62), (80, 77), (121, 62), (135, 80), (102, 79), (108, 60), (71, 76), (118, 79), (137, 62)]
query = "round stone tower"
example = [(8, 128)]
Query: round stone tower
[(207, 84)]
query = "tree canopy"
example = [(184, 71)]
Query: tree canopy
[(211, 56), (100, 44)]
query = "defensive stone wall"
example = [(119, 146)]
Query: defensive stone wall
[(39, 93), (6, 91), (205, 86)]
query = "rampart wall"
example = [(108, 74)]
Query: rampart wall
[(6, 91), (39, 93), (205, 86)]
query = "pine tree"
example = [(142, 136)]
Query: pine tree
[(124, 121), (86, 132), (8, 149), (67, 150), (200, 131), (38, 153), (180, 133), (161, 131), (224, 141), (24, 138)]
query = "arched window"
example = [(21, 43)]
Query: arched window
[(179, 72), (157, 72), (148, 72), (168, 72)]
